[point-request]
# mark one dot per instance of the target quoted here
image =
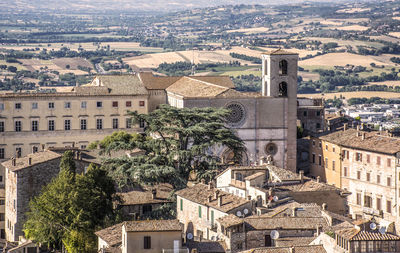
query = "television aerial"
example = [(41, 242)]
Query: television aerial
[(189, 236), (274, 234), (372, 226)]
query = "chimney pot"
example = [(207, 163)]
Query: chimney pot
[(209, 199), (291, 250), (294, 210), (318, 179), (210, 186), (363, 136), (13, 162), (324, 206), (301, 173), (30, 161), (216, 194), (345, 126), (154, 193), (219, 200)]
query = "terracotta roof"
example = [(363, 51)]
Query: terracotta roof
[(199, 194), (255, 175), (354, 234), (224, 81), (144, 195), (231, 93), (297, 249), (92, 90), (206, 246), (111, 235), (308, 185), (262, 223), (279, 52), (37, 158), (189, 87), (280, 174), (373, 141), (230, 220), (121, 84), (153, 82), (293, 241), (152, 225)]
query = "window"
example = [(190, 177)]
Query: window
[(367, 201), (283, 67), (51, 125), (18, 126), (141, 103), (99, 124), (67, 105), (326, 147), (67, 124), (345, 171), (359, 157), (83, 104), (2, 154), (368, 158), (128, 103), (333, 165), (305, 113), (34, 105), (18, 152), (333, 149), (1, 126), (128, 123), (326, 162), (378, 204), (359, 199), (35, 149), (115, 123), (99, 104), (358, 174), (320, 145), (1, 106), (147, 242), (18, 105), (199, 211), (318, 113), (378, 160), (147, 209), (83, 124), (378, 179), (313, 143), (388, 206), (51, 105), (181, 204), (283, 89), (35, 124), (319, 160), (368, 176), (115, 104), (313, 158), (389, 162), (389, 181)]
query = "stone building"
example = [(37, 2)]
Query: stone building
[(265, 121), (310, 114), (296, 249), (152, 236), (25, 178), (366, 163)]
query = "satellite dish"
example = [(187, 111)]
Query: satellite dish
[(239, 213), (189, 236), (276, 198), (274, 234), (372, 226), (382, 230), (245, 211)]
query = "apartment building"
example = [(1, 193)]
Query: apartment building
[(368, 168)]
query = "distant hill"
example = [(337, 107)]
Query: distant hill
[(132, 5)]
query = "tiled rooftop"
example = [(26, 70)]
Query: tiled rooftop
[(122, 84), (153, 225), (279, 52), (192, 88), (261, 223), (153, 82), (354, 234), (230, 220), (143, 195), (111, 235), (36, 158), (199, 194), (297, 249)]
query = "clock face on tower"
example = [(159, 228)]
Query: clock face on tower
[(237, 114)]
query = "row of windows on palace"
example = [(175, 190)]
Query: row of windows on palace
[(378, 203), (68, 105), (67, 124), (358, 156)]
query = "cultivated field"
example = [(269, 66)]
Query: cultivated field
[(59, 65), (395, 34), (387, 83), (250, 30), (341, 59), (352, 28), (356, 94)]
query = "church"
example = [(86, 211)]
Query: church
[(265, 121)]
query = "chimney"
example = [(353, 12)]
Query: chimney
[(210, 186), (324, 206), (216, 194), (301, 173), (294, 210), (203, 181), (42, 147), (249, 197), (318, 179), (154, 193), (209, 199), (13, 161), (291, 250), (363, 136), (319, 230), (219, 200), (345, 126), (30, 161)]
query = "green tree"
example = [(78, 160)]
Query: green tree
[(70, 208), (182, 144)]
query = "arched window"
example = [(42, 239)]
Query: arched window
[(283, 67), (283, 89)]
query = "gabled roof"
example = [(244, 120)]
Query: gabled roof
[(279, 51), (355, 234), (199, 193), (119, 84), (143, 195), (36, 158), (152, 225), (296, 249), (268, 223), (230, 220), (111, 235), (189, 87), (152, 82)]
